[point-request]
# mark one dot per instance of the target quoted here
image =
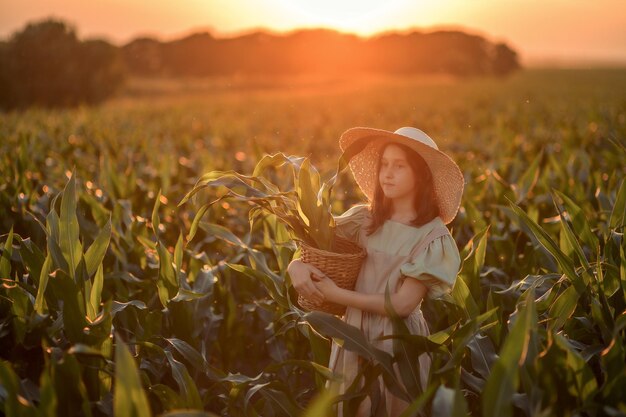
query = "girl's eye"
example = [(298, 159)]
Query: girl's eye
[(393, 165)]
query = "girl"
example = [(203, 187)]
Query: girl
[(414, 190)]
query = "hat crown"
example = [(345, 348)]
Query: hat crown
[(418, 135)]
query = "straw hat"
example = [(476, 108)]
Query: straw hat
[(447, 177)]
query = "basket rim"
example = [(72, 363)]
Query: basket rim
[(361, 253)]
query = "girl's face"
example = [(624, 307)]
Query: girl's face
[(396, 177)]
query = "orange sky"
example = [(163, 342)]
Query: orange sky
[(556, 30)]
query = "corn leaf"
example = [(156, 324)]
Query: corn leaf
[(353, 339), (5, 261), (129, 397), (14, 404), (156, 222), (322, 403), (196, 221), (96, 292), (571, 238), (419, 405), (282, 403), (406, 354), (504, 378), (167, 275), (563, 308), (32, 257), (178, 258), (584, 381), (68, 228), (579, 221), (40, 303), (546, 241), (97, 250), (186, 385), (528, 180), (618, 214)]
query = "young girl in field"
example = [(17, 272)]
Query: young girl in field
[(414, 190)]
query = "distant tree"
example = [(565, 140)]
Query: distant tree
[(102, 70), (45, 64), (504, 60), (193, 55), (6, 86), (144, 57)]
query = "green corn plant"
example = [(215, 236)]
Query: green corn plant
[(305, 209), (78, 272), (307, 219)]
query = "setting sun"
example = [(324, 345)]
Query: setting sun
[(354, 15)]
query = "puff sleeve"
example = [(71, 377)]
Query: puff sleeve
[(441, 260), (348, 225)]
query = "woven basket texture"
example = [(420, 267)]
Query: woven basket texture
[(342, 265)]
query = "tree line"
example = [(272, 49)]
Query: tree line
[(46, 64), (321, 51)]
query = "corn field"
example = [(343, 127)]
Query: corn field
[(118, 300)]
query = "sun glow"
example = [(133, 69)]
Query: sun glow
[(362, 16)]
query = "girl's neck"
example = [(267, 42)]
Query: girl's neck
[(402, 210)]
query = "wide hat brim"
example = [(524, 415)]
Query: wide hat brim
[(447, 177)]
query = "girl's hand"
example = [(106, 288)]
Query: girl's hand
[(326, 285), (301, 277)]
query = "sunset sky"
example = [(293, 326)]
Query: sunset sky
[(549, 30)]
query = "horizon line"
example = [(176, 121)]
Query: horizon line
[(531, 60)]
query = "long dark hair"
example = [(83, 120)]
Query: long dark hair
[(425, 202)]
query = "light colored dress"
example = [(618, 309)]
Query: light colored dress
[(394, 251)]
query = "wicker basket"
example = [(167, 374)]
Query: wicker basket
[(342, 266)]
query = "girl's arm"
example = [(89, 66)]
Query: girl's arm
[(408, 297), (301, 277)]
